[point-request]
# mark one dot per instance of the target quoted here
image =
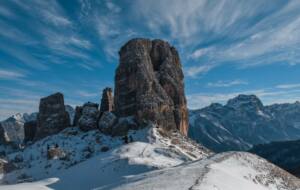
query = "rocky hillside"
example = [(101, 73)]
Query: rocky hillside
[(285, 154), (244, 122)]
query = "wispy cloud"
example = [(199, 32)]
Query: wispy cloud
[(7, 74), (87, 94), (288, 86), (196, 70), (221, 83), (245, 33)]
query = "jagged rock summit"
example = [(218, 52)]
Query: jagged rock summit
[(149, 85)]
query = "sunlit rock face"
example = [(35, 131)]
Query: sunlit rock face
[(149, 84)]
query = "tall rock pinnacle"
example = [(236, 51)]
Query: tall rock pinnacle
[(149, 84), (107, 101), (52, 116)]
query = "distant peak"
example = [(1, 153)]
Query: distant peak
[(243, 100)]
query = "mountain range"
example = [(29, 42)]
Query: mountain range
[(285, 154), (243, 122)]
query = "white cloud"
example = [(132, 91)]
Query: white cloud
[(86, 94), (201, 52), (248, 33), (8, 74), (196, 70), (221, 83), (113, 7), (288, 86), (48, 11)]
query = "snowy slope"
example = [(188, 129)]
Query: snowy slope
[(225, 171), (94, 168), (150, 160)]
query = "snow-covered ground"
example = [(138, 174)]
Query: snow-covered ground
[(87, 167), (150, 160), (226, 171)]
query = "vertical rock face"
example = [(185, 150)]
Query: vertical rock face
[(89, 116), (107, 101), (30, 128), (4, 139), (78, 113), (149, 84), (52, 116)]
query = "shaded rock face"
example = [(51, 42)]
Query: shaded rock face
[(4, 139), (149, 84), (78, 113), (6, 167), (106, 122), (123, 125), (52, 116), (30, 128), (89, 116), (107, 100)]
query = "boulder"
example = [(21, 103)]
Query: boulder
[(52, 116), (106, 122), (123, 126), (107, 101), (89, 116), (30, 128), (149, 85), (56, 153)]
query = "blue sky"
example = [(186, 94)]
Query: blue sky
[(227, 47)]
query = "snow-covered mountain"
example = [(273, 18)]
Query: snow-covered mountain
[(91, 160), (12, 129), (285, 154), (244, 122)]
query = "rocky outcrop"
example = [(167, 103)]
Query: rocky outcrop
[(123, 125), (30, 128), (52, 116), (149, 85), (89, 116), (107, 100), (106, 122)]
